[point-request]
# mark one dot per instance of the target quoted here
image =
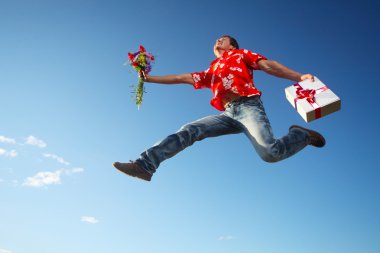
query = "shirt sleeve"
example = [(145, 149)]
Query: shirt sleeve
[(252, 59), (202, 79)]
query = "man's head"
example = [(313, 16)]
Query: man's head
[(225, 43)]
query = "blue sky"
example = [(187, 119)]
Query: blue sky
[(67, 114)]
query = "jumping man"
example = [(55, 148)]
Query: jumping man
[(230, 77)]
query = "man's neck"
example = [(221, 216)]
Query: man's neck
[(220, 52)]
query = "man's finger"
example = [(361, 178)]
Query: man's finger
[(142, 74), (311, 77), (308, 76)]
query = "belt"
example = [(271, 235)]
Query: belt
[(238, 98)]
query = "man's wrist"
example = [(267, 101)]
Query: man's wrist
[(298, 78)]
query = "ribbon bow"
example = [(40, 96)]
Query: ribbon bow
[(306, 93), (309, 94)]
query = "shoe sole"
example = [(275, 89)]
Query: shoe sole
[(115, 165), (312, 132)]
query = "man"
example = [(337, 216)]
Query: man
[(230, 77)]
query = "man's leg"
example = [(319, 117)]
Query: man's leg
[(251, 114), (210, 126)]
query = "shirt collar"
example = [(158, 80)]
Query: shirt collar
[(224, 55)]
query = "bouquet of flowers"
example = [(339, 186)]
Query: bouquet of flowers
[(141, 61)]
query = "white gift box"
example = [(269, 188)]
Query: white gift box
[(312, 100)]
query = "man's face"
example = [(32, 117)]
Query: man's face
[(223, 43)]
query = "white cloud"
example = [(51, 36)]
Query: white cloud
[(31, 140), (226, 238), (57, 158), (43, 178), (7, 140), (5, 251), (13, 153), (89, 219), (74, 171), (4, 152)]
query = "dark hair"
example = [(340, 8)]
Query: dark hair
[(233, 41)]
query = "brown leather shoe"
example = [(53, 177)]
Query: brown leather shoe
[(133, 169), (316, 139)]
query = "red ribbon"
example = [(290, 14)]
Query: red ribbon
[(309, 94)]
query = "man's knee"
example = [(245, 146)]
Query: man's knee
[(189, 134), (269, 158), (192, 130), (271, 154)]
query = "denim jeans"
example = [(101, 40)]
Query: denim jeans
[(245, 115)]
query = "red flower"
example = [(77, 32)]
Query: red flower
[(130, 55), (142, 49)]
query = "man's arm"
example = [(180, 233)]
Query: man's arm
[(277, 69), (169, 79)]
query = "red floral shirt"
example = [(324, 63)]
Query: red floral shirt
[(231, 72)]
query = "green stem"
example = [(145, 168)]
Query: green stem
[(139, 93)]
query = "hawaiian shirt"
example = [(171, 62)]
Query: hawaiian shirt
[(231, 72)]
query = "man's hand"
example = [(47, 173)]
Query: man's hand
[(307, 76)]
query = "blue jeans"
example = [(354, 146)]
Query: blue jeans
[(245, 115)]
